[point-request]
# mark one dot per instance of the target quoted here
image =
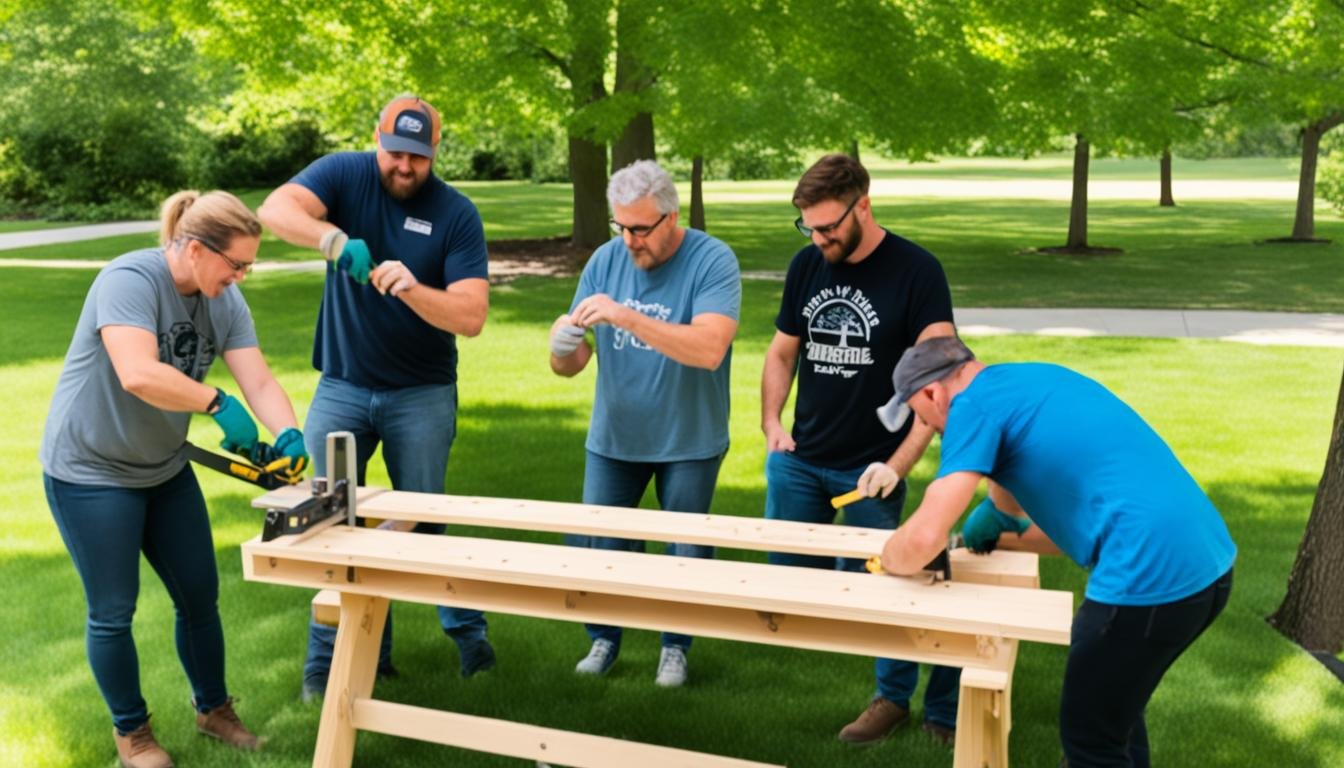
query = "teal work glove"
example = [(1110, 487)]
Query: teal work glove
[(288, 456), (350, 255), (355, 260), (240, 432), (986, 522)]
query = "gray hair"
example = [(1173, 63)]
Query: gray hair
[(640, 179)]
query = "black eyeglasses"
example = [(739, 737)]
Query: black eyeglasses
[(825, 229), (617, 228), (237, 266)]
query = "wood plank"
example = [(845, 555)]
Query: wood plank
[(529, 742), (1001, 567), (972, 609), (327, 607)]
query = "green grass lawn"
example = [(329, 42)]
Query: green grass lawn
[(1251, 423), (1198, 255)]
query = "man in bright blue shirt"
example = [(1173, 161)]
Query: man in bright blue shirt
[(1102, 487), (662, 303)]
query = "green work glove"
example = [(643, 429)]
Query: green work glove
[(350, 255), (240, 432), (986, 522)]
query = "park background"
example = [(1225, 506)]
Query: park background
[(108, 106)]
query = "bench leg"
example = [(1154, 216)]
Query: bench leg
[(984, 715), (354, 662)]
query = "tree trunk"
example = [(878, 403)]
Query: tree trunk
[(634, 143), (1078, 206), (588, 173), (632, 77), (1166, 200), (588, 155), (1312, 613), (698, 193), (854, 149), (1304, 223)]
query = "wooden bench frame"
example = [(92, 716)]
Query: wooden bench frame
[(973, 622)]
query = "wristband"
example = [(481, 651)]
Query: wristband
[(215, 403)]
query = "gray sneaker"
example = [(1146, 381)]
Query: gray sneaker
[(671, 667), (599, 659)]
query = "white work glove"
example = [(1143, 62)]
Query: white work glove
[(565, 339), (332, 243), (878, 477)]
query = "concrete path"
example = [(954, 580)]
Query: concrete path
[(1287, 328), (12, 240)]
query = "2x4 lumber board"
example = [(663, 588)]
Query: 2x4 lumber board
[(529, 742), (354, 661), (1003, 567), (994, 611), (744, 624)]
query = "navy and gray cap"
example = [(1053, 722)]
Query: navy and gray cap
[(920, 366)]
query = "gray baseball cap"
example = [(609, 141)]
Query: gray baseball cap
[(920, 366)]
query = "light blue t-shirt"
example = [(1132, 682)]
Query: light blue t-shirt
[(649, 407), (1094, 476)]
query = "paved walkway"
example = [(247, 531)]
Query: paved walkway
[(1287, 328)]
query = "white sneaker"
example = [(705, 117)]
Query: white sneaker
[(671, 667), (599, 659)]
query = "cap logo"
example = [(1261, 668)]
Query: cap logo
[(409, 124)]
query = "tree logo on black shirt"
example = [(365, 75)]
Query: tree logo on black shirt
[(838, 332)]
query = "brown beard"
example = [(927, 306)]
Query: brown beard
[(847, 247), (402, 193)]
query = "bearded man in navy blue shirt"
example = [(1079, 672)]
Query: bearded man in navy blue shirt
[(406, 276)]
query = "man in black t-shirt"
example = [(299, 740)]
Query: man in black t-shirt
[(854, 300)]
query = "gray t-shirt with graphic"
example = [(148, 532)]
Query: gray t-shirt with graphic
[(97, 433)]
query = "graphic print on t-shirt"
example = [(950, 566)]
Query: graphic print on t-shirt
[(186, 350), (654, 310), (840, 322)]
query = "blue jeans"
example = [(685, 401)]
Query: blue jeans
[(681, 486), (1117, 656), (105, 528), (416, 426), (798, 490)]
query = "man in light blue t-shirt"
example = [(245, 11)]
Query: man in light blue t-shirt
[(662, 303), (1102, 487)]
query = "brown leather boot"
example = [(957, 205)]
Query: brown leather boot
[(139, 749), (222, 723), (876, 723)]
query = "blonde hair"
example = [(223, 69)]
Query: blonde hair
[(214, 217)]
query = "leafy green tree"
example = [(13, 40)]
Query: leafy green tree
[(94, 99), (1094, 72), (1283, 59)]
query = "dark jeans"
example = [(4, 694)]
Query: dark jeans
[(105, 528), (798, 490), (681, 486), (1117, 656), (416, 426)]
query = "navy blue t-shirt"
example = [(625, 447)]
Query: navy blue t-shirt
[(372, 340), (853, 322)]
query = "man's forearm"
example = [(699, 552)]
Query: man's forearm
[(910, 450), (458, 309), (702, 343)]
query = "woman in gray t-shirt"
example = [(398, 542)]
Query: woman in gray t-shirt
[(116, 476)]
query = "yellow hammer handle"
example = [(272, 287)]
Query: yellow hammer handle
[(846, 498)]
